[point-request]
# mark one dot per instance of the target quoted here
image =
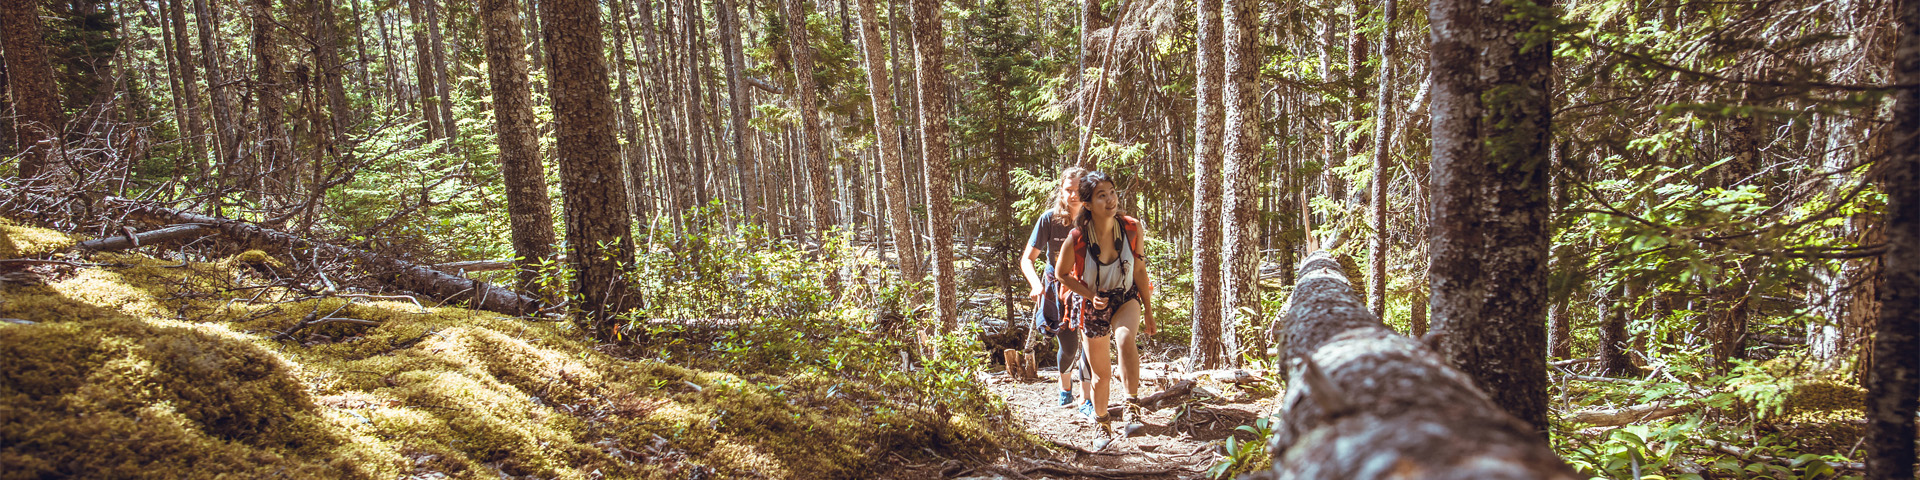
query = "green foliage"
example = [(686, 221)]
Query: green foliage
[(1243, 456)]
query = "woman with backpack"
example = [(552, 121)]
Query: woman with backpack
[(1049, 235), (1104, 263)]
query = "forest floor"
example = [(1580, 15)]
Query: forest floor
[(1178, 442)]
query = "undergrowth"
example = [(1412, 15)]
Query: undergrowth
[(139, 367)]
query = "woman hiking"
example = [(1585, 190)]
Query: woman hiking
[(1104, 262), (1049, 234)]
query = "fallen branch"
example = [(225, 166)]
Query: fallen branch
[(1065, 471), (474, 266), (1167, 397), (1591, 378), (170, 233), (391, 271), (1623, 416), (1730, 449)]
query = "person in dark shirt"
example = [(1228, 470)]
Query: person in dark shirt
[(1049, 234)]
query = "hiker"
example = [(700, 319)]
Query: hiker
[(1104, 263), (1049, 234)]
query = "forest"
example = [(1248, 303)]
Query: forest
[(422, 239)]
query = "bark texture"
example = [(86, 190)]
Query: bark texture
[(1382, 126), (1208, 346), (205, 20), (529, 211), (274, 155), (739, 103), (189, 83), (599, 228), (1367, 403), (929, 66), (823, 209), (1488, 246), (426, 84), (1895, 373), (1241, 148), (878, 82), (36, 101)]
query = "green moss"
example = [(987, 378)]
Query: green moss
[(156, 369), (21, 241)]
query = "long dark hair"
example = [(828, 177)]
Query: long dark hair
[(1088, 183)]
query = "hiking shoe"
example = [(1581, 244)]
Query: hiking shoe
[(1086, 410), (1066, 399)]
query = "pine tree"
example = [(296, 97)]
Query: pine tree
[(1208, 348), (598, 225), (529, 211), (1489, 244)]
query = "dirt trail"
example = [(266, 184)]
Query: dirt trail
[(1178, 442)]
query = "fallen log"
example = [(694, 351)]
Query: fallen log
[(1622, 416), (474, 266), (135, 240), (1367, 403), (391, 271)]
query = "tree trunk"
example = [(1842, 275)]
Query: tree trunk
[(274, 156), (632, 146), (1488, 248), (1363, 402), (1616, 344), (225, 138), (327, 49), (190, 86), (1240, 269), (427, 88), (1357, 95), (529, 210), (36, 99), (672, 154), (599, 227), (1208, 346), (738, 105), (442, 83), (393, 91), (802, 51), (1382, 125), (696, 115), (879, 91), (929, 65), (1895, 373)]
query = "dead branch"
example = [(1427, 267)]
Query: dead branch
[(391, 271), (1627, 415), (1167, 397), (135, 240)]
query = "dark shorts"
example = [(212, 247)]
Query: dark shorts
[(1099, 322)]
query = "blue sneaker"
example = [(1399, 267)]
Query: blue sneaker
[(1086, 410), (1066, 398)]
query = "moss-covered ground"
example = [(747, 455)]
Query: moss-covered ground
[(139, 367)]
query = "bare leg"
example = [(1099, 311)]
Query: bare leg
[(1099, 353), (1126, 323)]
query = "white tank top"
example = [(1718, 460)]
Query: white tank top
[(1115, 275)]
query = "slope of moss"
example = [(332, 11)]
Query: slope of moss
[(146, 368)]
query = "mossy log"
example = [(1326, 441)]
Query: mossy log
[(1365, 402), (391, 271)]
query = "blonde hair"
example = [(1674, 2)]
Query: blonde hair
[(1061, 206)]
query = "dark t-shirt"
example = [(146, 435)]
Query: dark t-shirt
[(1048, 236)]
